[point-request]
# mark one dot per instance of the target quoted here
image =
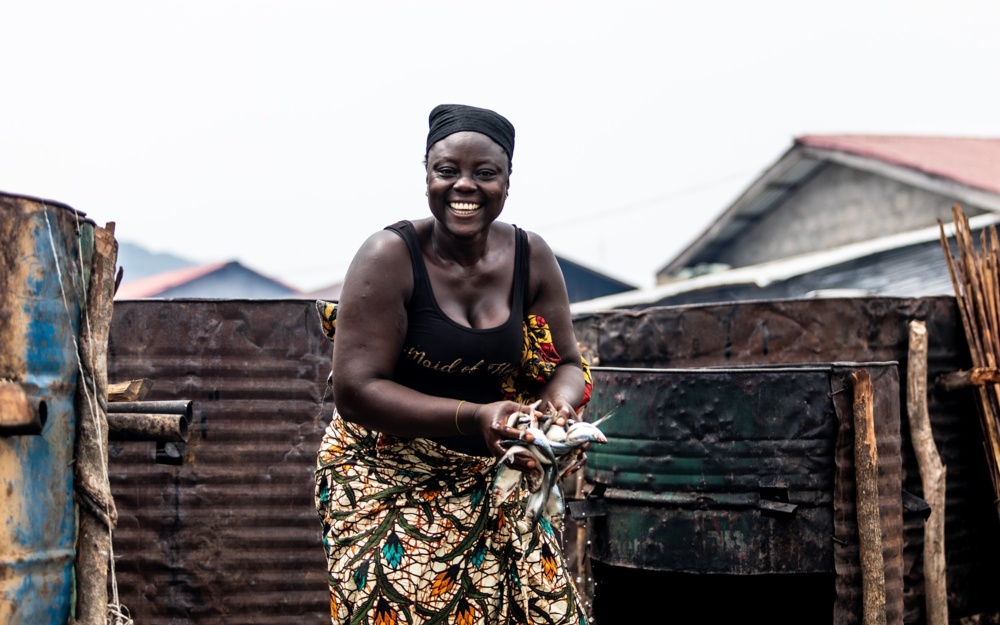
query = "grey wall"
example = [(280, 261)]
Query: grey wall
[(839, 206)]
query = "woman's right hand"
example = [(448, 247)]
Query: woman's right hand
[(492, 422)]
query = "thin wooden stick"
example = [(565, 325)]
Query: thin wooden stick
[(958, 284), (976, 279)]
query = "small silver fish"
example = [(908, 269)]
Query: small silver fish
[(553, 447)]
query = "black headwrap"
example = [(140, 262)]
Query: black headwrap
[(447, 119)]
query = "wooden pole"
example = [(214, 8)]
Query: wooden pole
[(869, 523), (98, 514), (179, 406), (932, 475)]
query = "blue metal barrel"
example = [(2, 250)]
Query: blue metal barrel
[(44, 247)]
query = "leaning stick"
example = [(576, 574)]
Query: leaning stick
[(977, 293), (932, 476)]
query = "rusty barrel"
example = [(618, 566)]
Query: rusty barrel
[(42, 292)]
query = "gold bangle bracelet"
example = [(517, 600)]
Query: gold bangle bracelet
[(456, 417)]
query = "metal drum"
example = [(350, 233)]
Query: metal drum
[(42, 291), (738, 471), (716, 470)]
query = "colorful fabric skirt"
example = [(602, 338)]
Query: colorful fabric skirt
[(412, 535)]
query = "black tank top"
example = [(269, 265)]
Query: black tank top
[(443, 358)]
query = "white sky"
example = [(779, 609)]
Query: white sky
[(283, 133)]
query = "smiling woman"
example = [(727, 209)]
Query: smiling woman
[(430, 336)]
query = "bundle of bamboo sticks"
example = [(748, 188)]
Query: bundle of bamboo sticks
[(975, 275)]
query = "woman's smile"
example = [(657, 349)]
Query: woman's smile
[(464, 208)]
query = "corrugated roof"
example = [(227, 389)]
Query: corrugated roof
[(968, 160), (908, 264)]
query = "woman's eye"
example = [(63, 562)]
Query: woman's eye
[(446, 171), (486, 173)]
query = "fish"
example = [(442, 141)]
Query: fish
[(554, 447)]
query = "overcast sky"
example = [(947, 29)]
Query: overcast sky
[(282, 134)]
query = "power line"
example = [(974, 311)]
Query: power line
[(640, 204)]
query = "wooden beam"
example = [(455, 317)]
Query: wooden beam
[(977, 376)]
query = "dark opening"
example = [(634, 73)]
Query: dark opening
[(623, 594)]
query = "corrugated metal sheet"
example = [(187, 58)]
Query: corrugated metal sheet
[(911, 271), (231, 535), (42, 290), (845, 330), (906, 264)]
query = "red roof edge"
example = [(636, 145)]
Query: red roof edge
[(151, 286)]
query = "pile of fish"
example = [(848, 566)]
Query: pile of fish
[(553, 448)]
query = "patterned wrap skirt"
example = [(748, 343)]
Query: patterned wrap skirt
[(413, 535)]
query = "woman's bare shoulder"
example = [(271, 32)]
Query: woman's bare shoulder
[(543, 259), (382, 262)]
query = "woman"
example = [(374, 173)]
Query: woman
[(430, 330)]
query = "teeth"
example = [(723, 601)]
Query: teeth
[(464, 206)]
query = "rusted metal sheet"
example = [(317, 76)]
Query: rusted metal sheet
[(42, 290), (850, 330), (694, 459), (231, 534)]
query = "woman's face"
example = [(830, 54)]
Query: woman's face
[(467, 180)]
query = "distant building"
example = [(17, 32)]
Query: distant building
[(831, 191), (229, 280), (582, 283), (848, 214)]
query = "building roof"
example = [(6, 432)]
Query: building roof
[(968, 160), (162, 284), (966, 169), (908, 264), (151, 286)]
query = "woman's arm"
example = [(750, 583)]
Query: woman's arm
[(548, 298), (371, 329)]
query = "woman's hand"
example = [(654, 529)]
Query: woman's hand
[(565, 414), (492, 422)]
